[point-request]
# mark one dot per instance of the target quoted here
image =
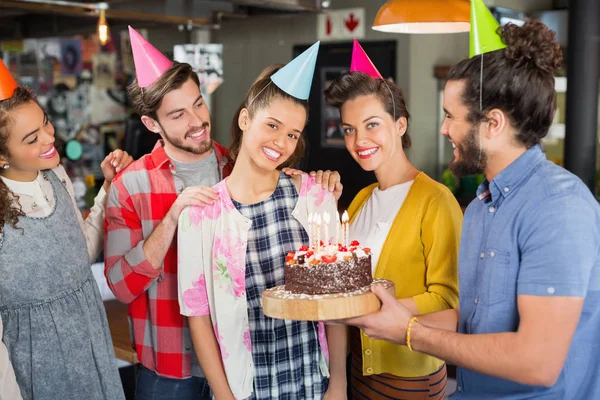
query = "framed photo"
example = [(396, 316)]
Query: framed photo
[(332, 134), (206, 60)]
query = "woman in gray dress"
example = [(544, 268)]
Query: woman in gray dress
[(55, 327)]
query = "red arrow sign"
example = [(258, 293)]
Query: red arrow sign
[(351, 23)]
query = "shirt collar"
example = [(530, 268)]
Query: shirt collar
[(159, 155), (221, 153), (511, 177), (24, 188)]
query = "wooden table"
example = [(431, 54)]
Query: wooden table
[(116, 312)]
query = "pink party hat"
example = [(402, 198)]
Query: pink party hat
[(362, 63), (150, 63)]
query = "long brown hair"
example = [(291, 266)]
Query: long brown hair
[(260, 95), (353, 84), (10, 210)]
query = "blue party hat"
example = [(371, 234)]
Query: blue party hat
[(296, 77)]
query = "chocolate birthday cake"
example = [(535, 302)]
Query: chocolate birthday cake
[(328, 269)]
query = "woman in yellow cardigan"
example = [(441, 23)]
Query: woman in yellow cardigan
[(412, 225)]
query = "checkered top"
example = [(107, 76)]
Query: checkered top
[(139, 199), (212, 279), (286, 354)]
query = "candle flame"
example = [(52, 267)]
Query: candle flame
[(345, 217)]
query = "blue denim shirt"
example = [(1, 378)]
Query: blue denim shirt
[(533, 230)]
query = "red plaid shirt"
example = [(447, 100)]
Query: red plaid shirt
[(139, 199)]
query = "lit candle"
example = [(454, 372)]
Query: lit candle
[(345, 232), (310, 230), (326, 220), (337, 228), (318, 231)]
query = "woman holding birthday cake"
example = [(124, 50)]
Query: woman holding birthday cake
[(411, 224)]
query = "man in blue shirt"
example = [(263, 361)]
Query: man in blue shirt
[(529, 267)]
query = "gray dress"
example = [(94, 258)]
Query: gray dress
[(55, 325)]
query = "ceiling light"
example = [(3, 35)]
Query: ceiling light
[(103, 33), (423, 16)]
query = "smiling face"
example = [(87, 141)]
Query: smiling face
[(469, 156), (371, 135), (183, 121), (271, 136), (30, 143)]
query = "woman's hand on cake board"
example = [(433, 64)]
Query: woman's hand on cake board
[(329, 180), (389, 323)]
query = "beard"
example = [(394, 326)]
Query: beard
[(473, 159), (198, 149)]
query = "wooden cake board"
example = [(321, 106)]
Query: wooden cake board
[(281, 304)]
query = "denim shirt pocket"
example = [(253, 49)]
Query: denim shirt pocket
[(495, 276)]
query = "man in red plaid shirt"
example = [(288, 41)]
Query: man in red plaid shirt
[(141, 220)]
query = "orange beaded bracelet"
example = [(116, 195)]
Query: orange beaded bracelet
[(408, 331)]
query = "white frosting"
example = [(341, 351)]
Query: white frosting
[(329, 250), (360, 253)]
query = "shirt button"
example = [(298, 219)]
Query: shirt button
[(369, 370), (368, 352), (476, 300), (482, 255), (459, 388), (506, 190), (492, 254), (551, 290), (492, 209)]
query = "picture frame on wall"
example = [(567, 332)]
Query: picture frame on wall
[(332, 133)]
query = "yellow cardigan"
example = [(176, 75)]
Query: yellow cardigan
[(420, 254)]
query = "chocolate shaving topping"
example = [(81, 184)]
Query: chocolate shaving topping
[(339, 277)]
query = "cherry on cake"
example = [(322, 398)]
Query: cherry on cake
[(328, 269)]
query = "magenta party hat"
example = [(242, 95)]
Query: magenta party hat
[(362, 63), (150, 63)]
